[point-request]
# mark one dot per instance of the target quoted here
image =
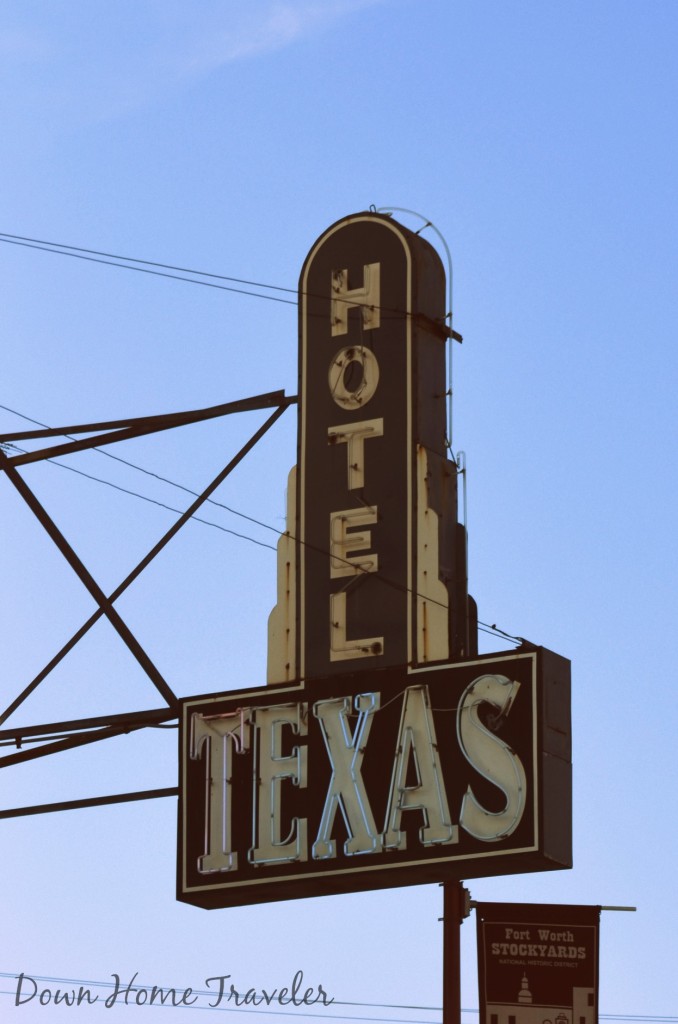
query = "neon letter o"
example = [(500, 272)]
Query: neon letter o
[(344, 395)]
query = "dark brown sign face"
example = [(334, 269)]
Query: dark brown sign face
[(355, 486), (538, 962), (374, 562), (375, 780)]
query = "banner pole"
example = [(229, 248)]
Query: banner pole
[(452, 918)]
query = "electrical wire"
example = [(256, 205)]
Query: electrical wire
[(18, 742), (148, 472), (80, 255), (130, 263), (152, 263), (484, 627), (160, 504)]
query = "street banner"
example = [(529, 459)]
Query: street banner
[(537, 963)]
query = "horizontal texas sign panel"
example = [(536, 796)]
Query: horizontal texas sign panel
[(376, 779)]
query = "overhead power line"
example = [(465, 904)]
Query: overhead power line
[(145, 266), (55, 246), (484, 627), (128, 263)]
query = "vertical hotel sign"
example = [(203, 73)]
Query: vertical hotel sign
[(383, 749), (374, 486), (537, 963)]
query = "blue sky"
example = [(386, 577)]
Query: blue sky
[(540, 139)]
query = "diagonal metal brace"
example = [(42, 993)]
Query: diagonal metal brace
[(133, 427), (264, 401), (88, 580), (284, 402)]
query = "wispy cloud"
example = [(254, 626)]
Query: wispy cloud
[(90, 63), (268, 27)]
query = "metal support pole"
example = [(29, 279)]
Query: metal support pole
[(452, 918)]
